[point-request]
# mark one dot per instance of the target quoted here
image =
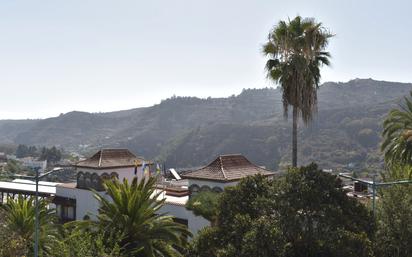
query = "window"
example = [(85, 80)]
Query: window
[(96, 181), (205, 188), (217, 190), (104, 176), (114, 175), (181, 221), (87, 180), (80, 180), (65, 212), (194, 189), (68, 213)]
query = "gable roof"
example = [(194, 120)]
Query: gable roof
[(110, 158), (226, 168)]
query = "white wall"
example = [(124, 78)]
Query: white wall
[(195, 223), (86, 204), (211, 184), (127, 172)]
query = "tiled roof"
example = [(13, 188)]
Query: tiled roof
[(110, 158), (227, 168)]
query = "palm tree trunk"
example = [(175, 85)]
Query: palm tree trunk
[(295, 138)]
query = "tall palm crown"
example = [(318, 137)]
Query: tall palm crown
[(296, 50), (397, 134), (133, 213)]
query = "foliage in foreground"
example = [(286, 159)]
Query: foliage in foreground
[(18, 228), (394, 215), (130, 220), (305, 214), (397, 134), (204, 204)]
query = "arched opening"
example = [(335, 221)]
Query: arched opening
[(80, 180)]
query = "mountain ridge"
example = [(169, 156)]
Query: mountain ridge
[(190, 131)]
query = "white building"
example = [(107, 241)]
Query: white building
[(226, 170), (33, 163), (75, 201)]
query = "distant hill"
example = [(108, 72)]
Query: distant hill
[(188, 131)]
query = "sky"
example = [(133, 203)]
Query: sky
[(57, 56)]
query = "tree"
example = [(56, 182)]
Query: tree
[(296, 51), (204, 204), (50, 154), (131, 214), (317, 218), (306, 213), (394, 231), (10, 243), (22, 151), (78, 243), (19, 219), (397, 134)]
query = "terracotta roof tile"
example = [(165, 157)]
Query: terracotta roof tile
[(110, 158), (228, 168)]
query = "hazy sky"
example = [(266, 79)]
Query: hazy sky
[(62, 55)]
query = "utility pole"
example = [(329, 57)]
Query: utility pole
[(36, 221)]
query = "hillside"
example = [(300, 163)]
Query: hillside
[(188, 131)]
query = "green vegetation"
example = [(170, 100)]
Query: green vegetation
[(306, 213), (52, 155), (296, 50), (127, 225), (397, 133), (18, 227), (394, 234), (250, 123), (129, 220), (205, 204), (26, 151), (12, 167)]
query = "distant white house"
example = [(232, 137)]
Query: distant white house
[(33, 163)]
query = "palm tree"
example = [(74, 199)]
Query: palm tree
[(397, 134), (132, 214), (296, 51), (19, 219)]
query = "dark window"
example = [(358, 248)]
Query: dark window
[(80, 180), (114, 175), (181, 221), (205, 188), (96, 181), (65, 212), (87, 180), (217, 190), (194, 189)]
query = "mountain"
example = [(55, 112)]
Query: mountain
[(189, 131)]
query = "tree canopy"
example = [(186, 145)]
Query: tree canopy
[(397, 134), (394, 215), (296, 50), (129, 217), (304, 214)]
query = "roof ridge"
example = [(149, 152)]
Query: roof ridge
[(221, 167), (100, 159)]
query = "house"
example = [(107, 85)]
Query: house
[(225, 170), (3, 158), (76, 201), (33, 163)]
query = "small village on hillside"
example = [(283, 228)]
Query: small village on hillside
[(100, 158)]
